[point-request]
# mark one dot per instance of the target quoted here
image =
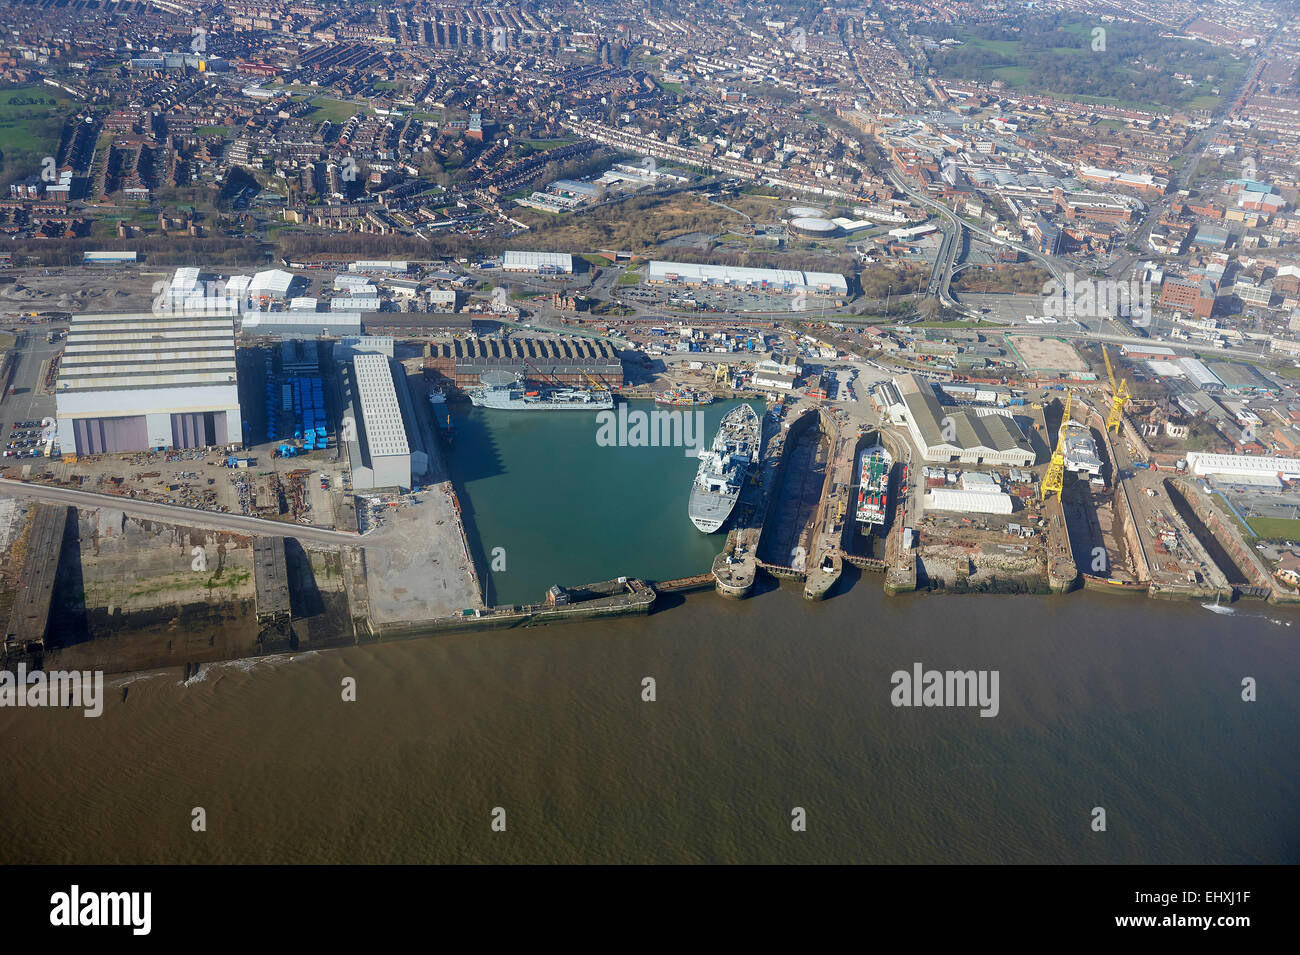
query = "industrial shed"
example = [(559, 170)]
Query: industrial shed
[(969, 502), (951, 434), (137, 382)]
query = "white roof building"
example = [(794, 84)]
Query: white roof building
[(1228, 466), (271, 284), (518, 261), (136, 382), (385, 451), (1200, 375), (728, 276), (353, 282), (969, 502), (355, 303)]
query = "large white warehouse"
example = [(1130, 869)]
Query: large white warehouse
[(728, 276), (1228, 466), (518, 261), (969, 502), (138, 382), (385, 454)]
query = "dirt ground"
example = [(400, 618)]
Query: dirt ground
[(1047, 354), (86, 289)]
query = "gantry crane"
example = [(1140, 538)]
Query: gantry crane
[(1054, 480), (1119, 396)]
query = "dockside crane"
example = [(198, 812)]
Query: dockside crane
[(1054, 480), (1119, 396), (549, 379)]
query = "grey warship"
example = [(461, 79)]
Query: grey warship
[(723, 469)]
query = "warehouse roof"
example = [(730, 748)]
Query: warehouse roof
[(110, 352), (381, 415), (979, 502), (534, 260), (1201, 462), (272, 282), (965, 430), (739, 276)]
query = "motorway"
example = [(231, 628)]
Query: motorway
[(943, 266), (173, 514)]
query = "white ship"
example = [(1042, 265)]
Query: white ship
[(723, 469)]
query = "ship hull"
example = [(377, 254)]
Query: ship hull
[(873, 489), (480, 400), (723, 470), (709, 512)]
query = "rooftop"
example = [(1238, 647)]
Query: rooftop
[(109, 352)]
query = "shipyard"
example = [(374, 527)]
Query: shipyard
[(847, 447), (585, 413)]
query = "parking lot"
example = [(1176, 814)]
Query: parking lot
[(29, 438)]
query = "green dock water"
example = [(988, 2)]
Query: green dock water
[(562, 509)]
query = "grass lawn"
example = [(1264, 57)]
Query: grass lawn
[(336, 111), (540, 144), (212, 130), (629, 278), (31, 121), (1276, 528)]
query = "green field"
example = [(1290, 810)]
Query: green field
[(211, 130), (629, 278), (336, 111), (1121, 64), (541, 144), (31, 121), (1276, 528)]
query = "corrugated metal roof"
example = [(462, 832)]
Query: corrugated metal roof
[(111, 352), (380, 412)]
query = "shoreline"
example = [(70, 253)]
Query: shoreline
[(539, 616)]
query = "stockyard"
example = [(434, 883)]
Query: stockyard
[(78, 289), (1045, 356)]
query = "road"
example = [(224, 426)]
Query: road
[(173, 514), (29, 404), (944, 263)]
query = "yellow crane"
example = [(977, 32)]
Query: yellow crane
[(1119, 396), (1054, 480), (722, 374)]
